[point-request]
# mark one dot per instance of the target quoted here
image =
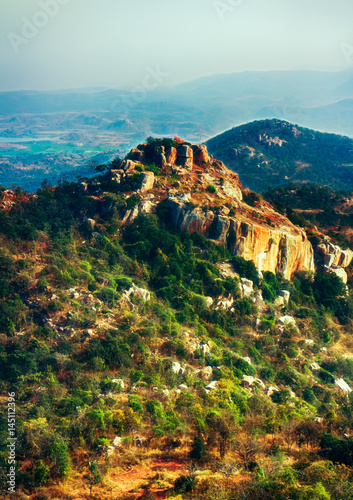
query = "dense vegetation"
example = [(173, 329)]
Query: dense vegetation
[(311, 205), (90, 362), (296, 155)]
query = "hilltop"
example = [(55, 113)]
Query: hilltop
[(169, 334), (271, 153)]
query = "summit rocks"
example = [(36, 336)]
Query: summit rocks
[(204, 196)]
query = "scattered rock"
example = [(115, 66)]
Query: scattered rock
[(117, 442), (205, 373), (286, 296), (120, 382), (212, 386), (341, 384), (147, 182), (247, 287)]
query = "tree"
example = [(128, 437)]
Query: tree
[(246, 450), (41, 474), (220, 431), (93, 477), (327, 288), (61, 460), (198, 449)]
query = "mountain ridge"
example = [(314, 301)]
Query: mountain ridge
[(270, 153)]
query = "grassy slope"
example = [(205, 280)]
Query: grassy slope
[(62, 347)]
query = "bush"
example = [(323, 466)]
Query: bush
[(246, 269), (184, 484), (245, 367), (211, 188), (198, 449)]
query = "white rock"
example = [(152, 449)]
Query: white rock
[(205, 348), (166, 392), (117, 442), (287, 319), (183, 387), (279, 302), (211, 386), (259, 381), (309, 341), (247, 381), (146, 207), (315, 367), (341, 384), (147, 182), (209, 302), (110, 450), (176, 367), (271, 390), (139, 292), (130, 216), (247, 287), (285, 294), (119, 381)]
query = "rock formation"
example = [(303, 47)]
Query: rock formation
[(208, 198)]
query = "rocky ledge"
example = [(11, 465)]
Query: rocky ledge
[(204, 196)]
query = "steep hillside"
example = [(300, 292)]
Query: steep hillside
[(163, 334), (272, 153)]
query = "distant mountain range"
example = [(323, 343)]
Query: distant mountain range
[(83, 123), (270, 153), (204, 107)]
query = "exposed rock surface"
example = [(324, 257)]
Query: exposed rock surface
[(284, 249), (208, 198)]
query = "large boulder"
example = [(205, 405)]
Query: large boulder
[(136, 155), (147, 182), (342, 385), (201, 156), (205, 373), (185, 156), (330, 255), (171, 155)]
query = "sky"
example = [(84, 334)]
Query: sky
[(58, 44)]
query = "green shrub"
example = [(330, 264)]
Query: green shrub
[(133, 201), (245, 367), (326, 377), (246, 269), (198, 450)]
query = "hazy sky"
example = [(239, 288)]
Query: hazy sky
[(85, 43)]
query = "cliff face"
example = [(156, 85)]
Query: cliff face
[(204, 196), (282, 250)]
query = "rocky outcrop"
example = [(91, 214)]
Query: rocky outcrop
[(147, 182), (282, 250), (185, 157), (330, 255), (332, 259), (201, 155), (207, 198)]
